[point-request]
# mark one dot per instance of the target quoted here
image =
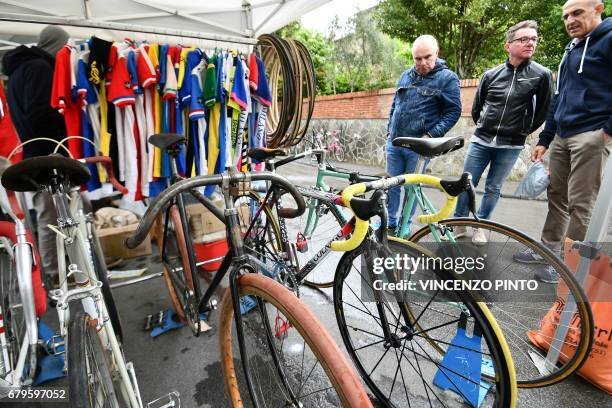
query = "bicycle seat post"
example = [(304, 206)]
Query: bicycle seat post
[(57, 190), (173, 152), (420, 167)]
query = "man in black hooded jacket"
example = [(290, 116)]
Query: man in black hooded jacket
[(30, 72), (578, 129)]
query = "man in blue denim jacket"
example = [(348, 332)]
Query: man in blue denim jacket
[(427, 103)]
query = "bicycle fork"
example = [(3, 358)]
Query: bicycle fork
[(24, 259)]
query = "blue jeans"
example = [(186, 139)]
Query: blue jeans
[(399, 161), (500, 162)]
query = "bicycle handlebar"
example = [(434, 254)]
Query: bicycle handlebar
[(200, 181), (107, 162), (361, 226)]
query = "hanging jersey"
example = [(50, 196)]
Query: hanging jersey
[(61, 99)]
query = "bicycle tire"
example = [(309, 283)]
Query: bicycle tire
[(85, 352), (177, 252), (527, 375), (343, 379), (356, 333), (10, 296), (107, 294)]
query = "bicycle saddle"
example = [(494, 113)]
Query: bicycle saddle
[(166, 141), (430, 147), (37, 172), (263, 153)]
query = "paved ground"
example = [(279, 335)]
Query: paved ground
[(177, 361)]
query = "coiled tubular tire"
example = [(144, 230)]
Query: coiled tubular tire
[(90, 382), (410, 358), (289, 63), (330, 363), (517, 318)]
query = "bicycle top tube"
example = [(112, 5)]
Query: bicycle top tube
[(192, 183)]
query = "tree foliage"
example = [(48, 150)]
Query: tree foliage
[(471, 32), (354, 56)]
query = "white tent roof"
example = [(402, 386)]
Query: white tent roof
[(226, 21)]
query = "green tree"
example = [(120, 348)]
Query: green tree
[(471, 32), (365, 58), (319, 48)]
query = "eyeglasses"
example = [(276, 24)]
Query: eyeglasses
[(525, 40)]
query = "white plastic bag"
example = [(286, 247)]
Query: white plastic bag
[(535, 182)]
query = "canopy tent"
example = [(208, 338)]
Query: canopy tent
[(220, 23)]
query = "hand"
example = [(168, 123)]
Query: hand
[(606, 137), (537, 153)]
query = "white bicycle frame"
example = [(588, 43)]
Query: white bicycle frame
[(72, 240), (21, 252)]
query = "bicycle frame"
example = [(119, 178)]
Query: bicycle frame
[(414, 195), (23, 255), (71, 240), (234, 263)]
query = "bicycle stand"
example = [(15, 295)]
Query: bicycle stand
[(462, 368), (167, 320), (51, 366)]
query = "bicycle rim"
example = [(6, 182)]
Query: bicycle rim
[(524, 315), (261, 235), (309, 370), (409, 371)]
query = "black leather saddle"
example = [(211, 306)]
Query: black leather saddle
[(262, 154), (430, 147), (167, 141), (35, 173)]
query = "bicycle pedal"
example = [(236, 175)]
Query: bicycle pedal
[(171, 400), (154, 320)]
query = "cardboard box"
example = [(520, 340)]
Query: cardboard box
[(204, 226), (112, 241)]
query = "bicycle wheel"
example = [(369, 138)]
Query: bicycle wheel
[(295, 364), (523, 313), (102, 275), (339, 154), (10, 306), (263, 240), (90, 382), (312, 232), (175, 264), (404, 369)]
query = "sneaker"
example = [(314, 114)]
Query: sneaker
[(528, 257), (459, 232), (391, 231), (547, 274), (478, 237)]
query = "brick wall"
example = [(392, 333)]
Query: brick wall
[(376, 104)]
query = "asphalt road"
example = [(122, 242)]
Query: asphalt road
[(178, 361)]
